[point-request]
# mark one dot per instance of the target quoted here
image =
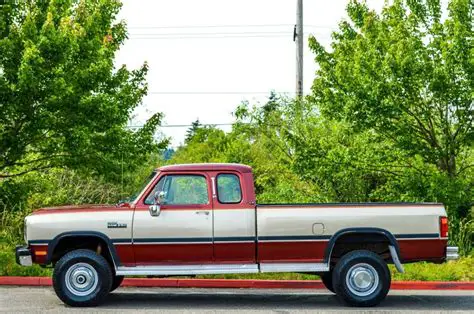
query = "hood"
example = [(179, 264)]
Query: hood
[(75, 208)]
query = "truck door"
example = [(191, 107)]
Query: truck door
[(234, 218), (182, 232)]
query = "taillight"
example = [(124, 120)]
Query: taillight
[(443, 227)]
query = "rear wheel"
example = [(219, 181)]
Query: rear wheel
[(117, 281), (361, 278), (82, 278)]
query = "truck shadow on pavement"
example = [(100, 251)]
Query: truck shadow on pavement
[(266, 301)]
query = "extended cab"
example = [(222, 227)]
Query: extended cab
[(203, 219)]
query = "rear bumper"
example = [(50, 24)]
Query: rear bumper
[(452, 253), (23, 256)]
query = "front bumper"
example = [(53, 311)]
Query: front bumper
[(452, 253), (23, 256)]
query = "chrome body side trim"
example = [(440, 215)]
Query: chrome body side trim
[(293, 267), (187, 269), (220, 269), (396, 259), (452, 253)]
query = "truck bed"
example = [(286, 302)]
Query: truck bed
[(287, 232)]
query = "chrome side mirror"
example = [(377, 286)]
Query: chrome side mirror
[(158, 198), (154, 210)]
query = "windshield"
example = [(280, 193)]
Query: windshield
[(142, 187)]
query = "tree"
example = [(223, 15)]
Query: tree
[(192, 130), (406, 73), (62, 101)]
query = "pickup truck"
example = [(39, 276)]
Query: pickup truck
[(203, 219)]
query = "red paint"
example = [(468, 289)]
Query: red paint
[(415, 250), (159, 254), (234, 252), (303, 251), (207, 167), (236, 283), (125, 254), (80, 209)]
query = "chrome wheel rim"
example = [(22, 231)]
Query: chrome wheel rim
[(362, 279), (81, 279)]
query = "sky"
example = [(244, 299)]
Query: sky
[(206, 57)]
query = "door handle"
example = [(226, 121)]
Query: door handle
[(202, 212)]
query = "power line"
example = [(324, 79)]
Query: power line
[(274, 35), (211, 37), (184, 125), (213, 33), (214, 93), (224, 26)]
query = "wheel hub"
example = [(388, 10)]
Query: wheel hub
[(81, 279), (362, 279)]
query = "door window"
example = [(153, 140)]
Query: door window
[(181, 190), (228, 189)]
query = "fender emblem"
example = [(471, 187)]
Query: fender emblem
[(116, 225)]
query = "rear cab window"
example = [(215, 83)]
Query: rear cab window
[(229, 190)]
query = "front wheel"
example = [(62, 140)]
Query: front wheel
[(326, 278), (361, 278), (82, 278)]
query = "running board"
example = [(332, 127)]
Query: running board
[(187, 270), (220, 269), (293, 267)]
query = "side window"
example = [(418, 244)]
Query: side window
[(181, 190), (228, 189)]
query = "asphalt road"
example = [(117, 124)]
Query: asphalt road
[(159, 300)]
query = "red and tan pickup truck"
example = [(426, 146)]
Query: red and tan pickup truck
[(203, 219)]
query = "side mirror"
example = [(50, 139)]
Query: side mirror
[(158, 198), (154, 210)]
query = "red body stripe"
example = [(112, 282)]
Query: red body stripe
[(155, 254), (126, 254), (430, 249), (294, 251), (291, 252), (234, 252)]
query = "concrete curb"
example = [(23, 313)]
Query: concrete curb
[(238, 283)]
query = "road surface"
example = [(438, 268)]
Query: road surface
[(161, 300)]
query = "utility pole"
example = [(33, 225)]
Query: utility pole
[(298, 38)]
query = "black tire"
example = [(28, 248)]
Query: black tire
[(95, 271), (348, 291), (116, 282), (327, 281)]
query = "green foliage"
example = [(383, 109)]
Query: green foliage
[(8, 266), (461, 233), (62, 101), (406, 74)]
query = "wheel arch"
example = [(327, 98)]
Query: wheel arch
[(369, 230), (83, 234)]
